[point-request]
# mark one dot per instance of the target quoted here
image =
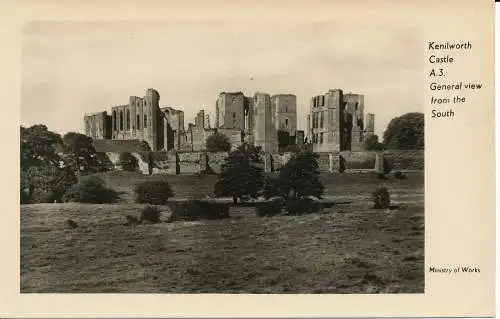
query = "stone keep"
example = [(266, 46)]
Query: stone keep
[(264, 130), (285, 112)]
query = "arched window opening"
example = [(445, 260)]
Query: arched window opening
[(127, 112), (114, 121), (121, 120), (145, 121), (138, 122)]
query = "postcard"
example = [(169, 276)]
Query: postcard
[(248, 159)]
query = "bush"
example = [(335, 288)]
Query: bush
[(381, 198), (91, 189), (45, 184), (128, 162), (132, 220), (270, 207), (399, 175), (153, 192), (150, 214), (192, 210), (218, 142), (302, 206), (381, 176)]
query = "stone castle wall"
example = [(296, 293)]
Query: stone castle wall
[(206, 162)]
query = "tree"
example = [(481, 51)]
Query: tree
[(218, 142), (299, 177), (405, 132), (241, 174), (80, 154), (45, 183), (372, 144), (38, 146), (128, 162)]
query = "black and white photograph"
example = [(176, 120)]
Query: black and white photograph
[(222, 156)]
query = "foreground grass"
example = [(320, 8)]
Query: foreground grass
[(345, 250)]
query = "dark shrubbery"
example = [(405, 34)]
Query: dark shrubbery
[(399, 175), (218, 142), (91, 189), (128, 162), (45, 184), (192, 210), (381, 176), (302, 206), (153, 192), (150, 214), (132, 220), (381, 198), (270, 207)]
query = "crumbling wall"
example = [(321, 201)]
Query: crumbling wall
[(358, 160), (405, 159)]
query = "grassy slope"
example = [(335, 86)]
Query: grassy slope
[(349, 249)]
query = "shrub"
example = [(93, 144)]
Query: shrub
[(153, 192), (218, 142), (150, 214), (302, 206), (91, 189), (46, 183), (192, 210), (381, 176), (381, 198), (128, 162), (71, 223), (399, 175), (270, 207), (132, 220)]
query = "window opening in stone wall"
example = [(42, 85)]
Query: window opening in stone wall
[(356, 107), (138, 122), (114, 120), (145, 121), (127, 112), (121, 120), (321, 119), (322, 100), (286, 123), (321, 138)]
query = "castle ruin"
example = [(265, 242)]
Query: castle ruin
[(335, 123)]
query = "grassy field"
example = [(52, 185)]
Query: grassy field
[(349, 248)]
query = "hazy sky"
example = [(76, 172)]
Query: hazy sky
[(73, 68)]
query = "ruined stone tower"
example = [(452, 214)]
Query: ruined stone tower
[(370, 125), (98, 125), (336, 122), (230, 111), (326, 121), (354, 113), (285, 112), (264, 130)]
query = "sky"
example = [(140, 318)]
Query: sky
[(71, 68)]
